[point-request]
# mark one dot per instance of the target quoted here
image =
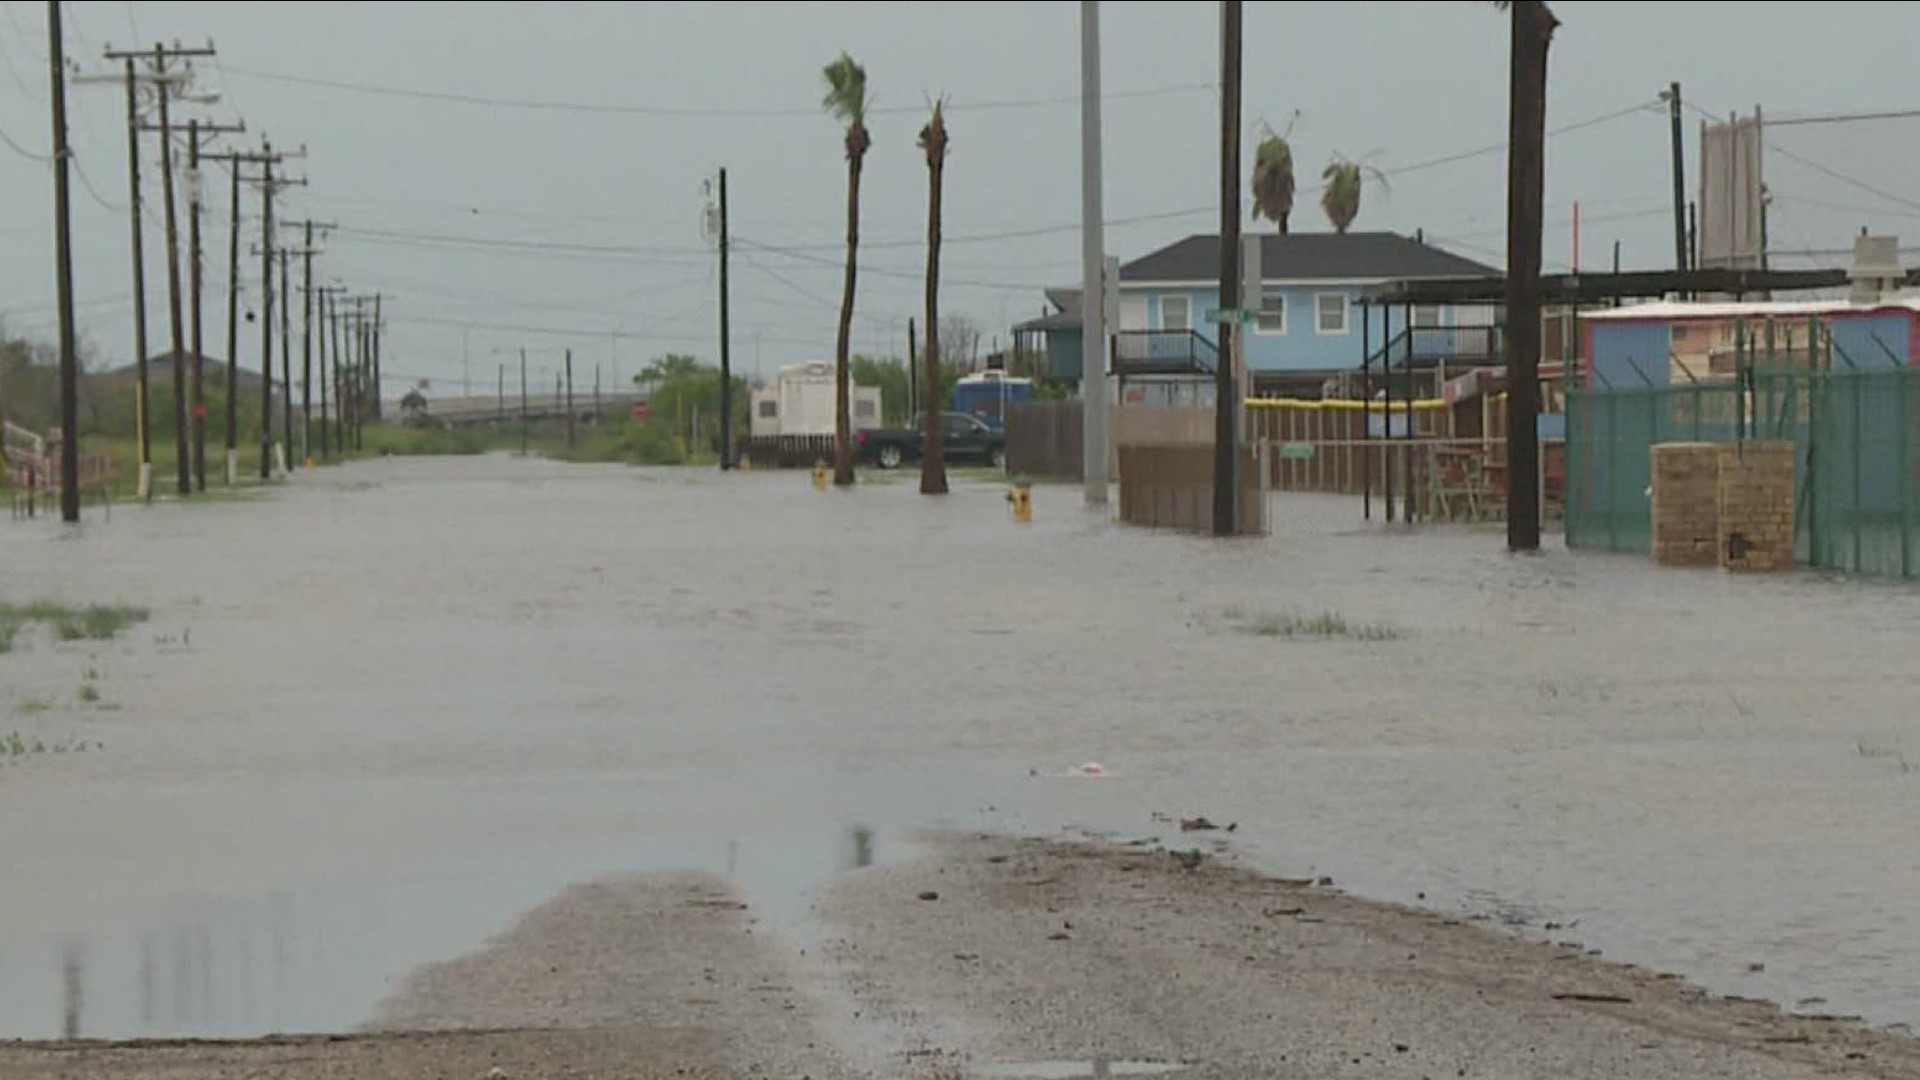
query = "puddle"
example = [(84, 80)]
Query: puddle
[(1069, 1070), (319, 958)]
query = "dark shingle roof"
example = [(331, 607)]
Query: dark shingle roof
[(1309, 257)]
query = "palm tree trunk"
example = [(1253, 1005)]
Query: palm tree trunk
[(842, 397), (1526, 190), (933, 454)]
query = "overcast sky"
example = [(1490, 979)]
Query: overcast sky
[(413, 179)]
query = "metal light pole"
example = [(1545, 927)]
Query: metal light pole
[(1093, 316)]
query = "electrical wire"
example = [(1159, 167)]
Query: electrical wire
[(38, 159), (608, 108)]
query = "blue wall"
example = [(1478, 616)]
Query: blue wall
[(1618, 347), (1302, 347), (1867, 341)]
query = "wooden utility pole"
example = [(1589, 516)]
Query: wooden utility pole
[(570, 400), (63, 262), (329, 321), (266, 312), (726, 341), (1226, 443), (142, 405), (1532, 33), (166, 81), (306, 252), (379, 380), (234, 161), (523, 403), (285, 293), (196, 203)]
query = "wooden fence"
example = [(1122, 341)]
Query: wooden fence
[(1044, 440), (1170, 486)]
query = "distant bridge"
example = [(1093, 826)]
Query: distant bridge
[(492, 409)]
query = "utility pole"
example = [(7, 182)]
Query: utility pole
[(166, 83), (1532, 34), (63, 260), (329, 321), (502, 395), (523, 403), (1680, 259), (287, 458), (196, 202), (913, 370), (1226, 442), (570, 400), (142, 411), (1093, 321), (306, 252), (726, 342), (266, 313), (596, 396), (235, 161), (379, 324)]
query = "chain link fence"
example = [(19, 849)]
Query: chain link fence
[(1855, 433)]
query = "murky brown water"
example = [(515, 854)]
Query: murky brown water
[(380, 713)]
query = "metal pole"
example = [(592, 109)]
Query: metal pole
[(63, 259), (1366, 410), (1680, 260), (1226, 492), (523, 403), (570, 405), (1386, 403), (286, 362), (306, 345), (1093, 320)]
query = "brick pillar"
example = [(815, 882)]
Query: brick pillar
[(1686, 495), (1756, 506)]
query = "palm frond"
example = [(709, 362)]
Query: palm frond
[(1273, 180), (846, 97)]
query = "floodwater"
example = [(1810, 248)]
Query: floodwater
[(381, 712)]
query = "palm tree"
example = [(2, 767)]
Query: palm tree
[(846, 101), (1340, 194), (1273, 180), (933, 457), (1532, 33)]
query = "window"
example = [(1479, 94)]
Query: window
[(1272, 317), (1175, 313), (863, 408), (1426, 316), (769, 410), (1330, 310)]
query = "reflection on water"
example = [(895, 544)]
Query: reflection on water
[(320, 961)]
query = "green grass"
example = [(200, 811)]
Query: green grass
[(14, 746), (1324, 626), (89, 694), (32, 706), (97, 622)]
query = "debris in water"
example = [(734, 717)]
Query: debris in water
[(929, 896), (1756, 967), (1189, 859), (1197, 824), (1092, 770), (1593, 999)]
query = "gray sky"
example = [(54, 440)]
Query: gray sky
[(738, 84)]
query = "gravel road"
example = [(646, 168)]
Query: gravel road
[(998, 957)]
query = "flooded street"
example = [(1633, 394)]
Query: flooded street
[(379, 714)]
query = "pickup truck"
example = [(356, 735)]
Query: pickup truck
[(967, 439)]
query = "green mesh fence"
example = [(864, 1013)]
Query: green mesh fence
[(1855, 485)]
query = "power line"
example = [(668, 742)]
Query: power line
[(550, 105), (1842, 118), (1844, 178), (38, 159)]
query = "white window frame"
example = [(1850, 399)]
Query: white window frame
[(1186, 307), (1259, 321), (1439, 316), (1346, 314)]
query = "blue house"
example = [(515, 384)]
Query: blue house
[(1308, 322)]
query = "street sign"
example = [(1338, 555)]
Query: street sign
[(1229, 315), (1296, 451)]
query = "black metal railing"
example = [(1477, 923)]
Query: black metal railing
[(1430, 346), (1163, 352)]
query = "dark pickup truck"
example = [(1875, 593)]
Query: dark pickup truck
[(967, 439)]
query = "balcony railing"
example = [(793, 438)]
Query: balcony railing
[(1163, 352), (1431, 346)]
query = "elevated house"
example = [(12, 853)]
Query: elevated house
[(1306, 327)]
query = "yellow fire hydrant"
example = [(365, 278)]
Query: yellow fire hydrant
[(1020, 497), (819, 476)]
